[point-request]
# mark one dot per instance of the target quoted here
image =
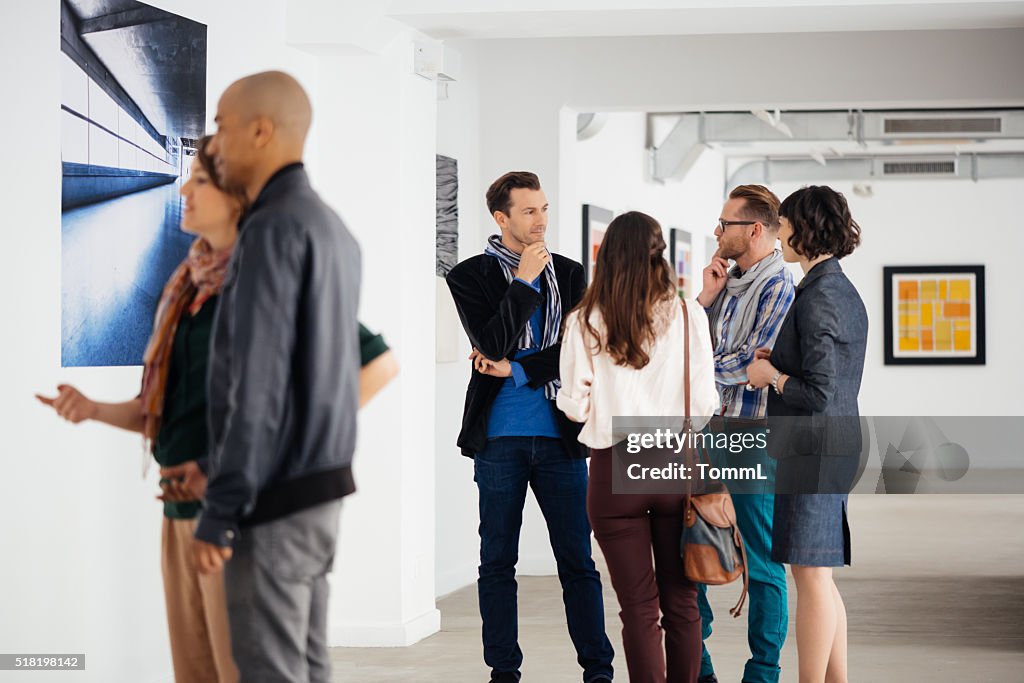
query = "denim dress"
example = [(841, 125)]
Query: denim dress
[(814, 424)]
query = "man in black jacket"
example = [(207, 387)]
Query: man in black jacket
[(282, 389), (511, 300)]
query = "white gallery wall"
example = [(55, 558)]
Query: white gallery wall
[(82, 527), (456, 512), (939, 222), (377, 136), (611, 172), (81, 530)]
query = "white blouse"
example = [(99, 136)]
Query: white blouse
[(594, 388)]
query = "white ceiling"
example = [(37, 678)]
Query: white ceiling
[(476, 19)]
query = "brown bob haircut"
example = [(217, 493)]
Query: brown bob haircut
[(821, 222)]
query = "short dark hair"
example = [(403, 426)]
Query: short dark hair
[(761, 204), (500, 191), (821, 222)]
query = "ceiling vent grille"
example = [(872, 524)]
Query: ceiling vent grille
[(943, 126), (919, 168)]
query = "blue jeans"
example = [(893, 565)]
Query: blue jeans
[(502, 471), (767, 611)]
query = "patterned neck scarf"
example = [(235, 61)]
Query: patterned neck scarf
[(198, 278), (509, 261), (747, 287)]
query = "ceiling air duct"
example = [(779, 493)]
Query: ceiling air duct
[(935, 126), (911, 167)]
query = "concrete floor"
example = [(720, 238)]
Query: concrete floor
[(936, 594)]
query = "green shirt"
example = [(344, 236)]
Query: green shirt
[(183, 434), (370, 346)]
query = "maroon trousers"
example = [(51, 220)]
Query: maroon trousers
[(628, 527)]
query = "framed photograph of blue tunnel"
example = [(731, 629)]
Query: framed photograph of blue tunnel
[(133, 104)]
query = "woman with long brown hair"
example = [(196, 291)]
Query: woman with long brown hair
[(622, 355)]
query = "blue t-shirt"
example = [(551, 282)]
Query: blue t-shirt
[(519, 409)]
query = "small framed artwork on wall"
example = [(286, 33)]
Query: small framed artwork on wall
[(595, 222), (934, 315), (681, 255)]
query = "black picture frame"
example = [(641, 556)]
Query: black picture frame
[(595, 222), (677, 239), (892, 357)]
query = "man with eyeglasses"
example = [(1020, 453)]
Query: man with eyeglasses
[(746, 306)]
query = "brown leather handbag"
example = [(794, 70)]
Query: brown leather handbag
[(711, 545)]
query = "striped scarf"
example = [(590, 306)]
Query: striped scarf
[(747, 288), (509, 261), (198, 278)]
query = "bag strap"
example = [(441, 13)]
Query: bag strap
[(738, 539), (688, 421), (688, 425), (686, 363)]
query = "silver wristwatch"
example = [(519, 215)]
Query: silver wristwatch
[(775, 380)]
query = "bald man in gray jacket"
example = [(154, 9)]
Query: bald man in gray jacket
[(283, 389)]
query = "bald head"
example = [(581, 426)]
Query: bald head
[(262, 122), (276, 96)]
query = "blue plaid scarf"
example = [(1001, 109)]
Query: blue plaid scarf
[(509, 261)]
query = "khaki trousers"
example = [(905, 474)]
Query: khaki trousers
[(197, 616)]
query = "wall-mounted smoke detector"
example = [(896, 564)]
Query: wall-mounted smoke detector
[(435, 61)]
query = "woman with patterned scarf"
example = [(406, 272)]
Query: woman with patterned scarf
[(170, 412)]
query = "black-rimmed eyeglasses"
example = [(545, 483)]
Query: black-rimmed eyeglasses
[(723, 224)]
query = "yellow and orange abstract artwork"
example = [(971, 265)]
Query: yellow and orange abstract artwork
[(935, 314)]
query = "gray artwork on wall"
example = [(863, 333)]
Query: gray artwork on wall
[(447, 214)]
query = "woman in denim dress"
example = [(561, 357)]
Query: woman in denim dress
[(815, 371)]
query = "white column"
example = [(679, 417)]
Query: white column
[(375, 123)]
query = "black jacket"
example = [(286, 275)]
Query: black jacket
[(815, 420), (284, 367), (494, 313)]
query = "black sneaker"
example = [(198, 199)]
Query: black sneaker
[(506, 677), (710, 678)]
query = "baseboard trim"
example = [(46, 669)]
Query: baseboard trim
[(351, 634)]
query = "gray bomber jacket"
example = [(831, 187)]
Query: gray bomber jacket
[(282, 388)]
